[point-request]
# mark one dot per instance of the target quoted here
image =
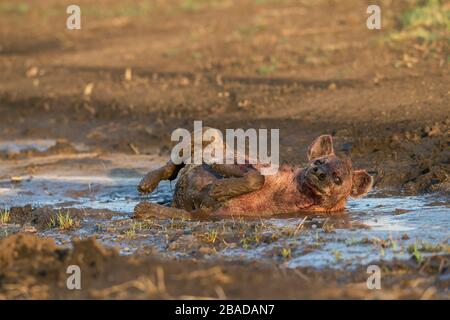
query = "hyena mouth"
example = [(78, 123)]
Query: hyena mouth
[(311, 182)]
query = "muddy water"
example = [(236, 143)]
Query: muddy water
[(103, 188), (117, 194), (24, 145), (372, 228)]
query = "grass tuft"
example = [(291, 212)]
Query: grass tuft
[(5, 217), (414, 250), (286, 253), (427, 20), (62, 221), (18, 8)]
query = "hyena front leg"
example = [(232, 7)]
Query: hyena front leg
[(153, 178)]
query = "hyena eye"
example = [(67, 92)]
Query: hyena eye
[(318, 162), (337, 180)]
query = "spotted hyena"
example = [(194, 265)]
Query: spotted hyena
[(324, 185)]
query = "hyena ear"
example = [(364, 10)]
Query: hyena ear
[(362, 183), (321, 147)]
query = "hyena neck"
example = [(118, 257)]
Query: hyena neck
[(286, 192)]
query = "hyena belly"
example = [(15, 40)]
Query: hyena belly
[(190, 187), (278, 195)]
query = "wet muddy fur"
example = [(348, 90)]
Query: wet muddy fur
[(226, 189)]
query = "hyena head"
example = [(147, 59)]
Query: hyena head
[(329, 180)]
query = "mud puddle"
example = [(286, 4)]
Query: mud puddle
[(40, 145), (374, 228), (117, 194), (36, 147)]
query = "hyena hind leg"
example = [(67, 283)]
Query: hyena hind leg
[(237, 181), (146, 209)]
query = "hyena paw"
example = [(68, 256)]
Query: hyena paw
[(149, 182)]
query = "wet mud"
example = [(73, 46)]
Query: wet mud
[(64, 205), (85, 115)]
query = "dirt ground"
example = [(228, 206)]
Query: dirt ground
[(107, 275), (138, 70)]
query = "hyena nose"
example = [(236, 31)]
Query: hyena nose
[(322, 176)]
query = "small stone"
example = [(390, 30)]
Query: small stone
[(88, 89), (206, 250), (16, 179), (184, 81), (400, 211), (32, 72), (28, 229), (128, 74)]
